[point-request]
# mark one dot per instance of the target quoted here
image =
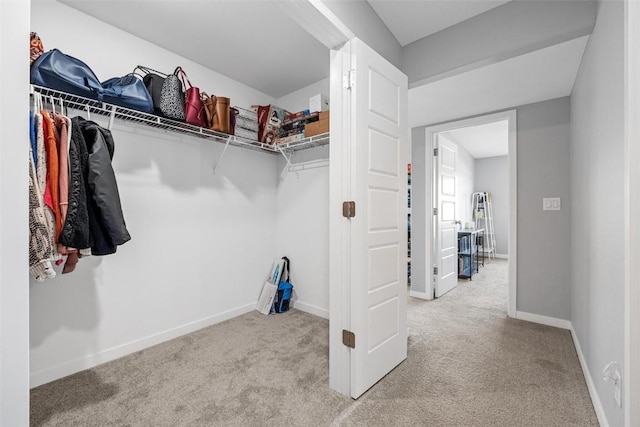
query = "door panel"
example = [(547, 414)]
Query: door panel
[(379, 138), (384, 98), (383, 263), (383, 154), (446, 232)]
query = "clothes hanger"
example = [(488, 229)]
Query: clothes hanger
[(53, 104), (38, 102)]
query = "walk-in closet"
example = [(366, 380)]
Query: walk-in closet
[(208, 214)]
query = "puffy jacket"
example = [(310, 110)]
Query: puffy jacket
[(75, 231), (106, 226)]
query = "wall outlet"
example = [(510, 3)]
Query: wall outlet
[(611, 373)]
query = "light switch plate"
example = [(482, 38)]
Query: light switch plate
[(551, 204)]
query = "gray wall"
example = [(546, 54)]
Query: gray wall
[(492, 175), (597, 216), (509, 30), (544, 278), (543, 237), (362, 20)]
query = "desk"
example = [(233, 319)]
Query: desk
[(468, 254)]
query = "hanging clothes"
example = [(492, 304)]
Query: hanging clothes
[(33, 139), (41, 154), (74, 203), (52, 193), (85, 217), (106, 220), (40, 243), (60, 123), (42, 177), (75, 231)]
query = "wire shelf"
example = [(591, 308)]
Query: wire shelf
[(93, 106)]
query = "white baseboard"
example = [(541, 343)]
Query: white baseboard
[(566, 324), (595, 398), (502, 256), (421, 295), (50, 374), (311, 309), (544, 320)]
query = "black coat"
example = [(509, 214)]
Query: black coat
[(104, 218), (75, 231)]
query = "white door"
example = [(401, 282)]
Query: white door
[(446, 235), (373, 157)]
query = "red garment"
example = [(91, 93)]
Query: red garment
[(60, 122), (53, 186)]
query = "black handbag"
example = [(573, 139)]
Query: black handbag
[(166, 92)]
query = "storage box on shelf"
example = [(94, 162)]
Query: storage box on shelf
[(318, 127), (246, 124), (319, 102), (92, 106)]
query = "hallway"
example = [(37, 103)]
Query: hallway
[(469, 364)]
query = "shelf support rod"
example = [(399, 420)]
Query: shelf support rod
[(288, 159), (224, 150), (112, 117)]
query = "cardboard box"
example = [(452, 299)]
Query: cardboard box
[(318, 127), (319, 102)]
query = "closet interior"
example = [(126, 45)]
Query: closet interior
[(206, 220)]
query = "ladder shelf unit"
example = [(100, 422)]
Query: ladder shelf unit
[(483, 217)]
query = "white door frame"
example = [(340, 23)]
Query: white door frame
[(632, 213), (430, 132)]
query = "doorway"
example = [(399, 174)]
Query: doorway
[(428, 198)]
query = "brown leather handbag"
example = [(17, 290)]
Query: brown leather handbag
[(218, 113), (209, 103), (222, 116)]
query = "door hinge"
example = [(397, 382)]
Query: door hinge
[(435, 211), (348, 338), (348, 209), (435, 152), (435, 271), (349, 79)]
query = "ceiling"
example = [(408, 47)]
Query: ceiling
[(411, 20), (257, 43), (480, 141), (250, 41)]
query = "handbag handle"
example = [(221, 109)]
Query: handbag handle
[(180, 73), (148, 70)]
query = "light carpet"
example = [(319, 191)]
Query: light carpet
[(468, 365)]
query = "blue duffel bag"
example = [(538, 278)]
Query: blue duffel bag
[(128, 91), (55, 70)]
